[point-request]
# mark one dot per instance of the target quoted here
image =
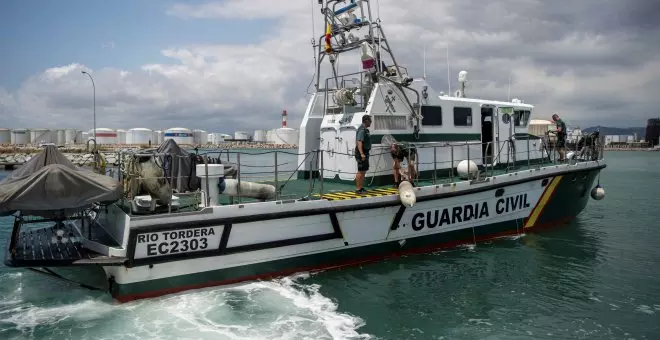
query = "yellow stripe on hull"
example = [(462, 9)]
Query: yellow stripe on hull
[(536, 212)]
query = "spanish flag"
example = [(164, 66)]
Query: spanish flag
[(328, 36)]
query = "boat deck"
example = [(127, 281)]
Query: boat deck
[(57, 246), (334, 191)]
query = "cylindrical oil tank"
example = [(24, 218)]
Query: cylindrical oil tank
[(157, 137), (652, 135), (40, 136), (61, 136), (121, 136), (71, 136), (219, 137), (200, 137), (83, 137), (181, 136), (5, 136), (104, 136), (241, 135), (538, 127), (139, 136), (20, 137), (259, 136), (287, 136)]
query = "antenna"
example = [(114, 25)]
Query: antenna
[(508, 97), (424, 61), (448, 74)]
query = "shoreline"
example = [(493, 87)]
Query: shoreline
[(81, 148), (632, 149)]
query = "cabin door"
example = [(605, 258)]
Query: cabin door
[(504, 133), (345, 162), (487, 134)]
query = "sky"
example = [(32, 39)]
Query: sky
[(233, 65)]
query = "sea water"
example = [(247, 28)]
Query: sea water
[(596, 278)]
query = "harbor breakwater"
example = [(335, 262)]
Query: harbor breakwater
[(11, 156)]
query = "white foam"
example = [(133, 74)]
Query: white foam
[(279, 309)]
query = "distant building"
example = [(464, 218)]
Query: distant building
[(653, 132)]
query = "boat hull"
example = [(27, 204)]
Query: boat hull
[(353, 236)]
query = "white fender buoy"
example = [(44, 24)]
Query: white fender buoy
[(248, 189), (407, 194), (598, 193), (462, 169)]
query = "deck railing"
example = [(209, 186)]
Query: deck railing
[(272, 166)]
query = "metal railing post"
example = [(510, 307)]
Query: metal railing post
[(468, 159), (238, 176), (169, 205), (321, 175), (435, 164), (277, 184), (451, 167), (311, 177), (206, 171), (528, 160)]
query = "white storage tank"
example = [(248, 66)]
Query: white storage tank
[(5, 136), (217, 138), (259, 136), (241, 135), (61, 137), (157, 137), (139, 136), (121, 136), (200, 137), (82, 137), (20, 136), (39, 136), (181, 136), (104, 136), (71, 136), (287, 136)]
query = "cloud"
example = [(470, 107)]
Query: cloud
[(108, 45), (594, 62)]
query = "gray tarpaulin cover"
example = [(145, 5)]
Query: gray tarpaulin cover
[(49, 182), (179, 166)]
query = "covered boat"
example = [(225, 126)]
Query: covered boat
[(49, 184)]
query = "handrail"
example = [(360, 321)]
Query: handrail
[(492, 160)]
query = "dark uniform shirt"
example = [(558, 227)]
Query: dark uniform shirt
[(404, 150), (362, 134), (561, 125)]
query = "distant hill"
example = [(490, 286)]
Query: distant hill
[(604, 130)]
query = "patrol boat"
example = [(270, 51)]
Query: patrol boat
[(175, 220)]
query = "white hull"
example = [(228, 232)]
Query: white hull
[(261, 232)]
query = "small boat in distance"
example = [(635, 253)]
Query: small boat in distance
[(177, 220)]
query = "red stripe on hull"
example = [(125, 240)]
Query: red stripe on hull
[(272, 275)]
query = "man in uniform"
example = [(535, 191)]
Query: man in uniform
[(399, 152), (561, 136), (362, 148)]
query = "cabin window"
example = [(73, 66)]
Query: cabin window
[(462, 116), (431, 115), (520, 118)]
